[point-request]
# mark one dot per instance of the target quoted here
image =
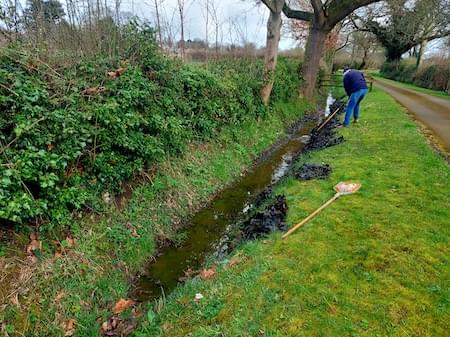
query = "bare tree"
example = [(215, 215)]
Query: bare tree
[(183, 6), (215, 17), (158, 21)]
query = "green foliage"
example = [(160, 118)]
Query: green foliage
[(66, 139), (433, 76)]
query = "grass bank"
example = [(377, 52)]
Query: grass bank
[(80, 284), (373, 264)]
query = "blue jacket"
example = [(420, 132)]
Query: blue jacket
[(353, 81)]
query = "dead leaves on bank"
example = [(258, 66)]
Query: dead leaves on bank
[(207, 274), (93, 91), (34, 244), (122, 305), (118, 326), (69, 327), (112, 75)]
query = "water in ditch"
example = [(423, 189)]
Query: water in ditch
[(210, 223)]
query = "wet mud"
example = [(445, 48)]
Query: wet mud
[(326, 136), (313, 171), (267, 221)]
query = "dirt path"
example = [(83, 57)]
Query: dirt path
[(433, 111)]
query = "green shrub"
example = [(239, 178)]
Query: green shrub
[(432, 76), (62, 145)]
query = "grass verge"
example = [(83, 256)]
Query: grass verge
[(78, 286), (372, 264), (431, 92)]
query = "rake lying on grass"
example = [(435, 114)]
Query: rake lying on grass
[(343, 188)]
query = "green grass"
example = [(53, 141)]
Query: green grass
[(376, 263), (111, 248), (436, 93)]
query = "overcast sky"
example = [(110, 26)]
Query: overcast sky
[(249, 20)]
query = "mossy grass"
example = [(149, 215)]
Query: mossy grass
[(372, 264)]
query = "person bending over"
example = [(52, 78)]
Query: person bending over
[(356, 88)]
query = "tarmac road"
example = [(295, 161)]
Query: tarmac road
[(432, 111)]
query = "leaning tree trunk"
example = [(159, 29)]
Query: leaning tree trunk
[(311, 65), (422, 47), (271, 54)]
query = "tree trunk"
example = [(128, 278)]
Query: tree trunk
[(313, 54), (271, 54), (158, 22), (420, 53)]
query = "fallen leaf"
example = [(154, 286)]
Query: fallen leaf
[(50, 147), (122, 305), (70, 242), (234, 261), (69, 328), (207, 274), (15, 300), (112, 75), (93, 91), (132, 229), (34, 244), (108, 327), (59, 296)]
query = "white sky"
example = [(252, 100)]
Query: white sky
[(249, 20)]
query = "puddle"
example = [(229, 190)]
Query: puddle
[(209, 225)]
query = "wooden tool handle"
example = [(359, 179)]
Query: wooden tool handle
[(329, 117), (312, 215)]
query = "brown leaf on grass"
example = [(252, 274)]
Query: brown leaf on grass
[(207, 274), (69, 327), (93, 91), (59, 296), (70, 242), (112, 75), (58, 254), (122, 305), (132, 229), (234, 261), (15, 300), (50, 147), (34, 244), (110, 325)]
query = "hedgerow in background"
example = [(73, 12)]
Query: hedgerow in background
[(431, 76), (70, 133)]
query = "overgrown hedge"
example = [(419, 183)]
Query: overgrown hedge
[(70, 134), (432, 76)]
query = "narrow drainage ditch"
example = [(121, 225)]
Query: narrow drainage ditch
[(207, 229)]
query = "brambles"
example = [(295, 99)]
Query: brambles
[(71, 134)]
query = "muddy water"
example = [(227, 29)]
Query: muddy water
[(210, 224), (430, 110)]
